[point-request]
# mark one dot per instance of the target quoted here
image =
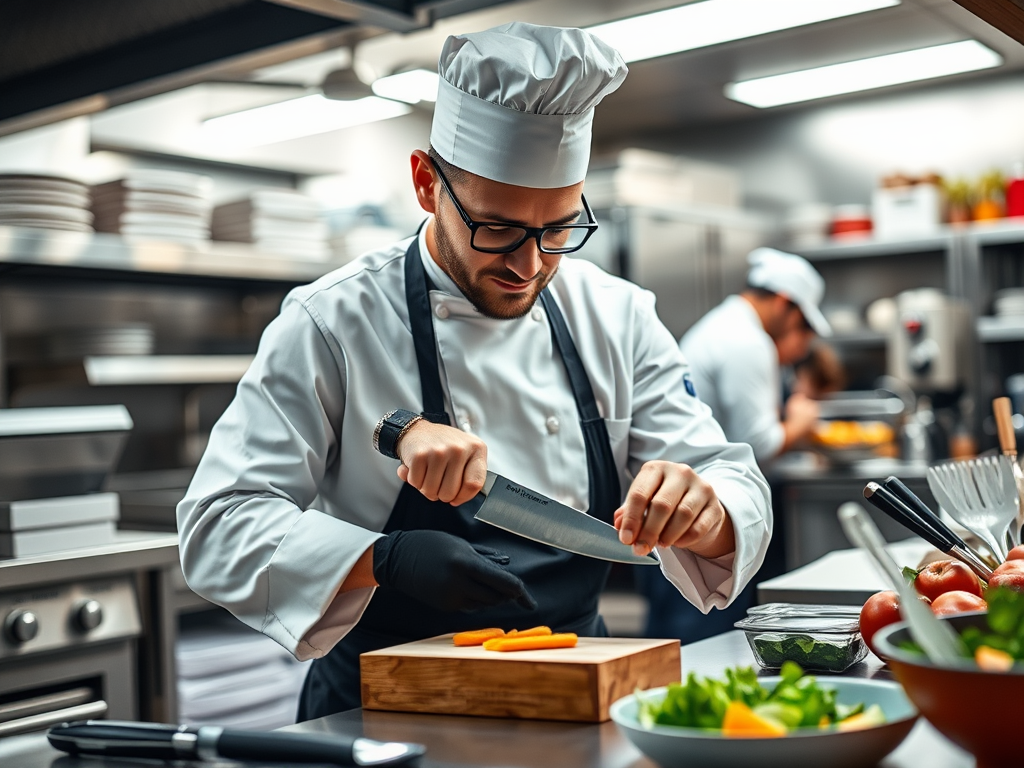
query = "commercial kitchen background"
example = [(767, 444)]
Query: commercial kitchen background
[(685, 182)]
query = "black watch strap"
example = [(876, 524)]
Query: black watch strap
[(390, 428)]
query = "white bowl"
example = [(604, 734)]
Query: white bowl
[(676, 747)]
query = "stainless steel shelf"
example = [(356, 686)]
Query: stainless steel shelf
[(166, 369), (97, 250), (1001, 232), (994, 329), (998, 232), (872, 247)]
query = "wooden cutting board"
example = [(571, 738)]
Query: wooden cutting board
[(578, 684)]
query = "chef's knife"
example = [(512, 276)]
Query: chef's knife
[(156, 741), (517, 509)]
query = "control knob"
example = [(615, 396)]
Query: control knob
[(21, 626), (87, 615)]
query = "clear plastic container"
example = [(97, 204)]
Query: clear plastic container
[(827, 640), (804, 609)]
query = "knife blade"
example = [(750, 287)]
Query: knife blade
[(524, 512)]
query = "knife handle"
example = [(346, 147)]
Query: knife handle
[(303, 748), (283, 747)]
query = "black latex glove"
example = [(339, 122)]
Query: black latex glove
[(446, 572)]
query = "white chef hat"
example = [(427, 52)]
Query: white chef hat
[(793, 277), (515, 103)]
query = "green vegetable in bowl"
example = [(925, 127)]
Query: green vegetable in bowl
[(1000, 646), (1005, 623), (796, 701)]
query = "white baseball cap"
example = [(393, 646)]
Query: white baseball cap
[(793, 277), (516, 103)]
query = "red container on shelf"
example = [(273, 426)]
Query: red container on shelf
[(851, 220), (1015, 191)]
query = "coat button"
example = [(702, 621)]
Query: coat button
[(441, 311), (552, 425), (537, 315)]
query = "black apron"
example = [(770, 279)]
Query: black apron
[(565, 586)]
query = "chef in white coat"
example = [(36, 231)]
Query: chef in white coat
[(333, 509), (736, 350)]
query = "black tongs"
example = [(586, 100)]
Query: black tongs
[(900, 503)]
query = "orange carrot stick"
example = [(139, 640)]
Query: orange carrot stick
[(477, 636), (535, 643), (532, 632)]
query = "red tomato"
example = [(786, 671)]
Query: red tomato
[(1009, 574), (957, 602), (880, 610), (1017, 553), (946, 576)]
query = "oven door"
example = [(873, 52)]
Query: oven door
[(78, 684)]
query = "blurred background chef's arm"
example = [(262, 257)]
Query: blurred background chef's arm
[(818, 374)]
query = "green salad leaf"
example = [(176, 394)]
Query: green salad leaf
[(795, 701), (1005, 632)]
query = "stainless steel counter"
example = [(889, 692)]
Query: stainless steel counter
[(132, 551), (807, 496), (800, 469), (479, 742)]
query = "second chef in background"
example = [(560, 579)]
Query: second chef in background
[(736, 351), (295, 524)]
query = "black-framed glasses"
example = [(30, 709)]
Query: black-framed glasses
[(504, 237)]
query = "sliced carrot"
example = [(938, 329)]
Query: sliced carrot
[(532, 632), (477, 636), (992, 659), (534, 643), (741, 721)]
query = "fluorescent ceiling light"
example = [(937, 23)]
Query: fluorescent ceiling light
[(295, 118), (852, 76), (411, 87), (711, 22)]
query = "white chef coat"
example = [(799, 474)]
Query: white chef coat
[(290, 493), (734, 366)]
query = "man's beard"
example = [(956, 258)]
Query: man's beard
[(498, 308)]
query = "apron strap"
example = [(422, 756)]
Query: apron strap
[(605, 489), (423, 339), (586, 404)]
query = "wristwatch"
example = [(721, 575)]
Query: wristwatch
[(390, 429)]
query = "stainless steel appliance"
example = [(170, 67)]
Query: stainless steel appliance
[(928, 346), (67, 652), (67, 646)]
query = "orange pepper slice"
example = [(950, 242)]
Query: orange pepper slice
[(532, 643), (741, 721), (477, 636)]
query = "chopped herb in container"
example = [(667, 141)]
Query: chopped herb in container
[(816, 643)]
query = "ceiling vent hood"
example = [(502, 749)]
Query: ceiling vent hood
[(63, 58)]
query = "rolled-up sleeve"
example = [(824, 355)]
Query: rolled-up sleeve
[(250, 539), (670, 424)]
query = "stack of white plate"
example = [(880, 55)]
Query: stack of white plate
[(278, 221), (1009, 301), (150, 204), (50, 202), (123, 339)]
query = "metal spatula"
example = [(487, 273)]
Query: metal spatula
[(981, 495)]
